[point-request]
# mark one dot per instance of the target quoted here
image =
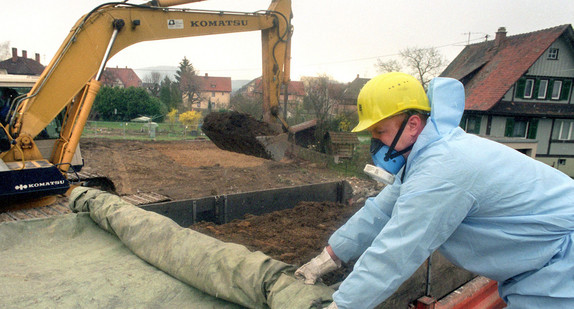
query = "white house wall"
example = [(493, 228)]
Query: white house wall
[(543, 135), (508, 95), (218, 100), (558, 149), (483, 124), (561, 68), (497, 126)]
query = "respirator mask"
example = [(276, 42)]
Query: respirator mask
[(388, 162)]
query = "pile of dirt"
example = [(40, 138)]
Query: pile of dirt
[(237, 132), (192, 169), (293, 236)]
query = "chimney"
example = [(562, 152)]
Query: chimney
[(37, 57), (14, 54), (24, 54), (500, 36)]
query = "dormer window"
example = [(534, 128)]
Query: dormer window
[(553, 54)]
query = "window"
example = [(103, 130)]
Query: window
[(521, 127), (564, 130), (542, 87), (213, 94), (471, 124), (556, 88), (528, 88), (553, 54)]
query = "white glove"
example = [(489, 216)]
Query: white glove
[(317, 267), (333, 306)]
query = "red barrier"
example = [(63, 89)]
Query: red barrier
[(479, 293)]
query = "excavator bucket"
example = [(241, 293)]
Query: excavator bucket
[(242, 133)]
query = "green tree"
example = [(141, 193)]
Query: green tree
[(169, 93), (124, 104), (189, 83)]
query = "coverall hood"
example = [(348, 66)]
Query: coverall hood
[(446, 97)]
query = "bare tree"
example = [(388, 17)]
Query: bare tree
[(5, 50), (388, 66), (152, 81), (153, 78), (189, 83), (422, 63), (317, 96), (322, 96), (248, 105)]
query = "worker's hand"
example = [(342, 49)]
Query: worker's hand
[(333, 306), (317, 267)]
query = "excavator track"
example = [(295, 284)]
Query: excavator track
[(92, 180), (60, 207)]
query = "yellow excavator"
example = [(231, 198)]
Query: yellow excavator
[(69, 84)]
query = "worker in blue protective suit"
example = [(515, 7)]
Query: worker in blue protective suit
[(486, 207)]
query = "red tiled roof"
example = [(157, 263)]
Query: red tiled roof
[(127, 76), (488, 72), (22, 66), (217, 84), (295, 87)]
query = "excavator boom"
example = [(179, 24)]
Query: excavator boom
[(70, 82), (84, 50)]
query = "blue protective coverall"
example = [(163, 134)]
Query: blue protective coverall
[(486, 207)]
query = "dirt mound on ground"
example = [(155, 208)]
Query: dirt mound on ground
[(237, 132), (293, 236), (192, 169)]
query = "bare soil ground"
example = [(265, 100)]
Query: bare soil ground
[(187, 169), (190, 169)]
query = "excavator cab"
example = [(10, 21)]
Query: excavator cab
[(4, 140), (28, 182)]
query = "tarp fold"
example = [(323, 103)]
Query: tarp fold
[(225, 270)]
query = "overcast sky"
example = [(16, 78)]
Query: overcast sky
[(333, 37)]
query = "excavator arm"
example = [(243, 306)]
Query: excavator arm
[(71, 80)]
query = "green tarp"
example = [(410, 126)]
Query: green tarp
[(121, 256)]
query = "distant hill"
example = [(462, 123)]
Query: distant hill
[(170, 71)]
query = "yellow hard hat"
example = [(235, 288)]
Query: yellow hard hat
[(389, 94)]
